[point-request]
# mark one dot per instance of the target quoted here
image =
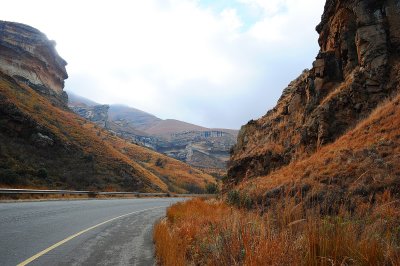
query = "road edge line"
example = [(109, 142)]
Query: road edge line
[(41, 253)]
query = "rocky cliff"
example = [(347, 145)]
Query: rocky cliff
[(356, 68), (27, 55)]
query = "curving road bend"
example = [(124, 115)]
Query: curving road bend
[(83, 232)]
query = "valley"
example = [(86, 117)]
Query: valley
[(200, 147), (313, 181)]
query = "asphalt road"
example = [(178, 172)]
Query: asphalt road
[(120, 231)]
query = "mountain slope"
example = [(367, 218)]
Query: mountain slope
[(76, 100), (354, 71), (75, 153), (44, 144), (359, 165), (169, 126), (135, 118), (198, 146)]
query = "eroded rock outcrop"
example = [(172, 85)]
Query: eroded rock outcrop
[(356, 68), (97, 114), (28, 56)]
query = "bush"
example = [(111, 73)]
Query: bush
[(212, 188), (239, 200), (233, 197), (160, 163), (194, 189), (42, 173), (8, 176), (37, 108), (88, 158), (246, 202)]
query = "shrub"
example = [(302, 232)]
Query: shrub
[(8, 176), (239, 200), (233, 197), (212, 188), (194, 189), (42, 173), (88, 158), (160, 163), (246, 201), (37, 108)]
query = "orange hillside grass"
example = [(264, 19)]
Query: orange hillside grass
[(212, 233), (110, 152), (365, 156)]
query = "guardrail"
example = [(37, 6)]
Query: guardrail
[(73, 192), (93, 193)]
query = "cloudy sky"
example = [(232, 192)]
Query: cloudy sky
[(216, 63)]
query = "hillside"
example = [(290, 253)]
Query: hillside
[(198, 146), (340, 206), (170, 126), (357, 167), (76, 100), (316, 181), (355, 70), (44, 144), (134, 117)]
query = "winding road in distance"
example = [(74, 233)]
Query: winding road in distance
[(80, 232)]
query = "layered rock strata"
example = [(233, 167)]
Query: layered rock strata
[(28, 56)]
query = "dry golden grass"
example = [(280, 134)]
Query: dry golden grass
[(212, 233), (365, 157)]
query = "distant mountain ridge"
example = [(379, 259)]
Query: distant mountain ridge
[(199, 146), (136, 118)]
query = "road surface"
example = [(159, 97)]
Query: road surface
[(84, 232)]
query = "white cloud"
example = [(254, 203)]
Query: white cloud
[(176, 58), (231, 19), (270, 7)]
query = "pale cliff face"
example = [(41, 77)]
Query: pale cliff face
[(27, 55)]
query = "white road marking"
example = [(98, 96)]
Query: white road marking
[(41, 253)]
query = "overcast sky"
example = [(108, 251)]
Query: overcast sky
[(216, 63)]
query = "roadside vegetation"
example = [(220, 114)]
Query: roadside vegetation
[(213, 232)]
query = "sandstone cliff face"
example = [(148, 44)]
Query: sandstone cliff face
[(27, 55), (357, 67)]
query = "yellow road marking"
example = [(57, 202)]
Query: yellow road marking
[(41, 253)]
